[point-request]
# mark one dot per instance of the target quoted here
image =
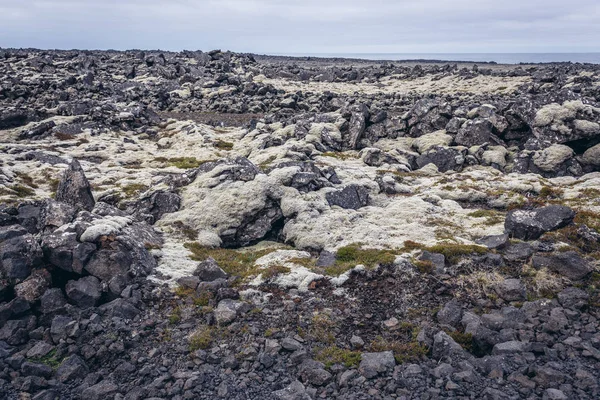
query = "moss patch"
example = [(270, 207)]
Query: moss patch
[(133, 189), (202, 338), (234, 262), (403, 352), (352, 255), (334, 355), (182, 162), (223, 145)]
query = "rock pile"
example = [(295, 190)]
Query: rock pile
[(216, 225)]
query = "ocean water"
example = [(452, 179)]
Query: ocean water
[(500, 58)]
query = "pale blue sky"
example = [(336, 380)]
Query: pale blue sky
[(307, 26)]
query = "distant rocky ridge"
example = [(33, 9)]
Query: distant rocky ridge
[(221, 225)]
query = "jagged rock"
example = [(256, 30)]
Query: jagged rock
[(37, 130), (295, 391), (569, 264), (32, 288), (120, 308), (373, 364), (72, 368), (84, 292), (158, 204), (74, 188), (360, 113), (228, 310), (518, 252), (494, 242), (100, 391), (351, 197), (555, 123), (313, 372), (39, 350), (208, 271), (476, 132), (531, 224), (443, 345), (573, 298), (18, 256), (511, 290), (444, 158), (450, 314), (52, 301)]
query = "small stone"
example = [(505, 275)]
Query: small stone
[(356, 342), (373, 364)]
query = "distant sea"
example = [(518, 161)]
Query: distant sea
[(500, 58)]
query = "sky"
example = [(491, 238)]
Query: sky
[(305, 26)]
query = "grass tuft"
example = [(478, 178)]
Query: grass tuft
[(334, 355)]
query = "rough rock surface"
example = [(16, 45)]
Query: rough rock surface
[(219, 225)]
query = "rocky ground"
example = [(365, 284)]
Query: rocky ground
[(218, 225)]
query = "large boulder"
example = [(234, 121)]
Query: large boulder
[(74, 188), (477, 132), (573, 120), (569, 264), (444, 158), (551, 159), (84, 292), (531, 224), (592, 156), (18, 256), (351, 197)]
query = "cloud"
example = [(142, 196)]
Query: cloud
[(308, 26)]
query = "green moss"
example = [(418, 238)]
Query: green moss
[(352, 255), (182, 162), (464, 339), (334, 355), (453, 252), (403, 352), (202, 338), (133, 189), (22, 191), (492, 217), (274, 270), (589, 218), (234, 262), (26, 179), (49, 359), (223, 145), (186, 230), (338, 155), (265, 165), (424, 266), (322, 328), (548, 192), (175, 316)]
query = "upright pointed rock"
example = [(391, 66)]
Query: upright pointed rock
[(74, 188)]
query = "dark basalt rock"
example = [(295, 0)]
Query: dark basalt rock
[(569, 264), (531, 224), (84, 292), (75, 189), (444, 158), (477, 132), (351, 197)]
